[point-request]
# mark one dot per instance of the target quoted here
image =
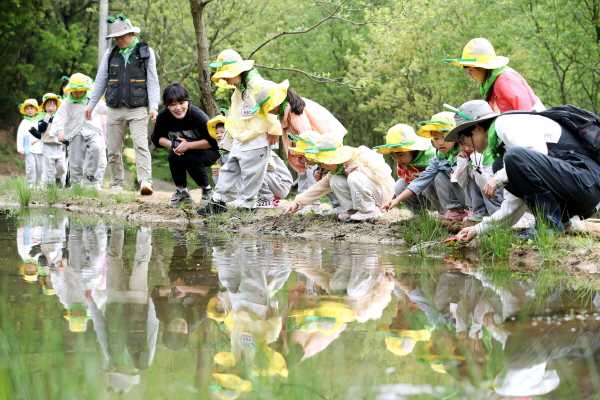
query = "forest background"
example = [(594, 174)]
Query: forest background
[(373, 64)]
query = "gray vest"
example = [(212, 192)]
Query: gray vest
[(127, 81)]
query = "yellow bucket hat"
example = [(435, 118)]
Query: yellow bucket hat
[(327, 318), (329, 150), (77, 323), (402, 137), (304, 141), (479, 52), (27, 277), (29, 102), (50, 96), (269, 95), (79, 82), (402, 341), (440, 122), (211, 125), (229, 64)]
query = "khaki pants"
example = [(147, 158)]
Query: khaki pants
[(356, 192), (117, 121)]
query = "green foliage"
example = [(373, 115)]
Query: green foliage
[(82, 191), (496, 243), (422, 228), (124, 197), (53, 194), (24, 193)]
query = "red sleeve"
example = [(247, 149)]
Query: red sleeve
[(513, 93)]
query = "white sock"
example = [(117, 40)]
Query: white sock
[(207, 188), (182, 190)]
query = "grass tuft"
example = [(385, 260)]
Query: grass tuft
[(422, 228), (24, 193), (496, 243), (53, 194)]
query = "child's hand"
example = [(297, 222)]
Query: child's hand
[(389, 205), (273, 139), (22, 153), (490, 188), (463, 154), (35, 141), (292, 209), (466, 234), (412, 175), (61, 137)]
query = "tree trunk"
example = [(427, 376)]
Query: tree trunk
[(207, 98)]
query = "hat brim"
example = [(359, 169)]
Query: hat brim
[(58, 102), (78, 89), (421, 144), (455, 133), (332, 157), (497, 62), (22, 109), (278, 96), (211, 125), (135, 29), (238, 68)]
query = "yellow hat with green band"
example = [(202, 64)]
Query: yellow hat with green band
[(269, 95), (29, 102), (211, 125), (79, 82), (50, 96), (305, 140), (480, 53), (402, 137), (229, 64), (329, 150), (440, 122)]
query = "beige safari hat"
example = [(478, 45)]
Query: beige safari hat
[(120, 26)]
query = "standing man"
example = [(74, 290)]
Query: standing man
[(128, 74)]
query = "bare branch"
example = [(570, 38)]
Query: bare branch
[(321, 22), (318, 79)]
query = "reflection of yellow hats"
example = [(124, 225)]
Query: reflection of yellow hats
[(305, 140), (230, 386), (48, 291), (79, 82), (29, 102), (329, 150), (77, 324), (50, 96), (269, 95), (211, 125), (230, 64), (479, 52), (28, 278), (440, 122), (211, 311), (439, 368), (425, 356), (402, 341), (402, 137), (327, 318)]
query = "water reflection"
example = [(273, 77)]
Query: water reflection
[(153, 313)]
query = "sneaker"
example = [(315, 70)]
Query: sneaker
[(92, 183), (311, 209), (180, 198), (333, 211), (275, 202), (364, 216), (527, 221), (237, 203), (146, 188), (452, 215), (207, 194), (264, 203), (469, 214), (345, 215), (212, 208), (575, 224), (116, 189)]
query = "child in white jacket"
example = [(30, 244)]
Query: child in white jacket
[(85, 136), (28, 146)]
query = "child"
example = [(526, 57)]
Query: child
[(216, 129), (252, 135), (28, 146), (359, 177), (277, 184), (297, 115), (504, 89), (84, 136), (54, 151), (450, 194), (412, 154)]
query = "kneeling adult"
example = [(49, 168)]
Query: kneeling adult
[(182, 127)]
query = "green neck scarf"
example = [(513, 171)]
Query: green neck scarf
[(43, 114), (339, 171), (485, 86), (28, 118), (82, 100), (422, 159), (491, 151), (450, 156), (251, 74), (282, 107)]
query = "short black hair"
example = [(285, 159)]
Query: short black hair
[(220, 125), (174, 93)]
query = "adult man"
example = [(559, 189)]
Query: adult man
[(128, 74)]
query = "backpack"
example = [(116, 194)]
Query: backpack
[(583, 124)]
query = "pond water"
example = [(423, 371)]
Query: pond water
[(99, 309)]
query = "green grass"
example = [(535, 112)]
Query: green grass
[(545, 239), (53, 194), (82, 191), (24, 193), (124, 197), (11, 184), (422, 228), (496, 243)]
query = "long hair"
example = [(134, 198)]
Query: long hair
[(296, 103)]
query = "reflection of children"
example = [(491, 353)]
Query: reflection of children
[(85, 136), (28, 146), (450, 194), (412, 154)]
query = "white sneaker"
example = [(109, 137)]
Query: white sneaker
[(116, 189), (576, 224), (333, 211), (346, 215), (527, 221), (237, 203), (264, 203), (180, 198), (146, 188), (363, 216), (310, 209)]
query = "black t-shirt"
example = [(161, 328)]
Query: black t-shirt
[(192, 127)]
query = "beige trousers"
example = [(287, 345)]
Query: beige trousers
[(117, 121)]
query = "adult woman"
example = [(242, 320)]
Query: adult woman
[(504, 89), (182, 127)]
